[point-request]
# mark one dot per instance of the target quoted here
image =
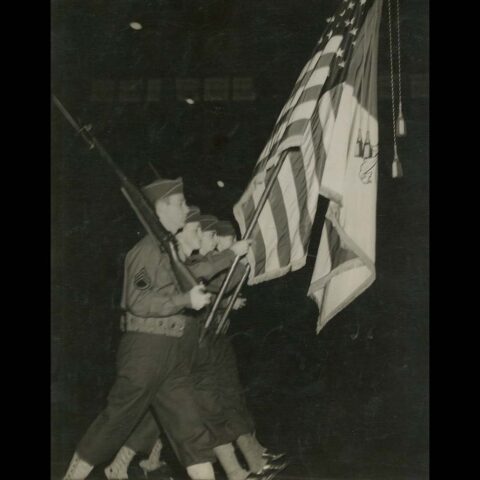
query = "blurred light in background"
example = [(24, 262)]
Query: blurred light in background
[(136, 25)]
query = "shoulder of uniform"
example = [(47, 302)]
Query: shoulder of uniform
[(145, 242), (145, 247)]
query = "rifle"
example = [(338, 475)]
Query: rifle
[(140, 205)]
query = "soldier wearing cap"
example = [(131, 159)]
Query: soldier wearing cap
[(216, 377), (191, 239), (226, 235), (155, 354), (209, 234), (147, 431), (208, 387), (224, 366)]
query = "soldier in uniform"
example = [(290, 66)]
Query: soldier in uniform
[(147, 431), (224, 365), (155, 354), (217, 383)]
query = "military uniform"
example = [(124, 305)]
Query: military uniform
[(221, 399), (146, 432), (218, 391), (223, 360), (217, 388), (153, 364), (231, 392), (209, 389)]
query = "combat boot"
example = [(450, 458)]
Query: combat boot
[(117, 470), (273, 468), (272, 457)]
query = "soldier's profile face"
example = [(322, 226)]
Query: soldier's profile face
[(192, 235), (172, 212), (209, 242), (224, 242)]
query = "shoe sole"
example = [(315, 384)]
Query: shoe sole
[(272, 475)]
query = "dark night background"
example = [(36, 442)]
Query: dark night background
[(350, 402)]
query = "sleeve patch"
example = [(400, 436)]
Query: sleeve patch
[(142, 280)]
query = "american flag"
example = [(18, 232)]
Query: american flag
[(327, 133)]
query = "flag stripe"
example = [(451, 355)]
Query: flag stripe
[(267, 230), (310, 94), (300, 182), (317, 133), (259, 252), (280, 218), (325, 56), (294, 129), (294, 214), (323, 133), (258, 248), (269, 233)]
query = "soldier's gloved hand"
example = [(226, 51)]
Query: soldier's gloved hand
[(240, 302), (199, 297), (241, 247)]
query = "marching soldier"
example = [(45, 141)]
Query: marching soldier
[(146, 433), (217, 386), (217, 383), (224, 365), (155, 354)]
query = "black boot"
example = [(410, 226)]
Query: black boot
[(273, 469), (262, 476), (272, 457)]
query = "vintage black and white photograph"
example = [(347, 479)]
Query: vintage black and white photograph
[(239, 239)]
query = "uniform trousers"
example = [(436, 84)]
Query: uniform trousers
[(218, 394), (153, 371)]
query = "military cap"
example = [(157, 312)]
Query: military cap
[(208, 222), (224, 228), (163, 188), (193, 214)]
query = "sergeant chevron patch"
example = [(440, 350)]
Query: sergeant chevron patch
[(142, 280)]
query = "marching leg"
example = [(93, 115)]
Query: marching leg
[(117, 470), (229, 461), (78, 469), (153, 462), (201, 471)]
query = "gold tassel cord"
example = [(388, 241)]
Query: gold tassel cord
[(397, 170), (401, 125)]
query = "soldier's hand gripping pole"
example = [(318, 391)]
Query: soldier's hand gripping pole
[(223, 321), (248, 232)]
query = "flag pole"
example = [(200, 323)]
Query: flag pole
[(248, 231), (227, 311)]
